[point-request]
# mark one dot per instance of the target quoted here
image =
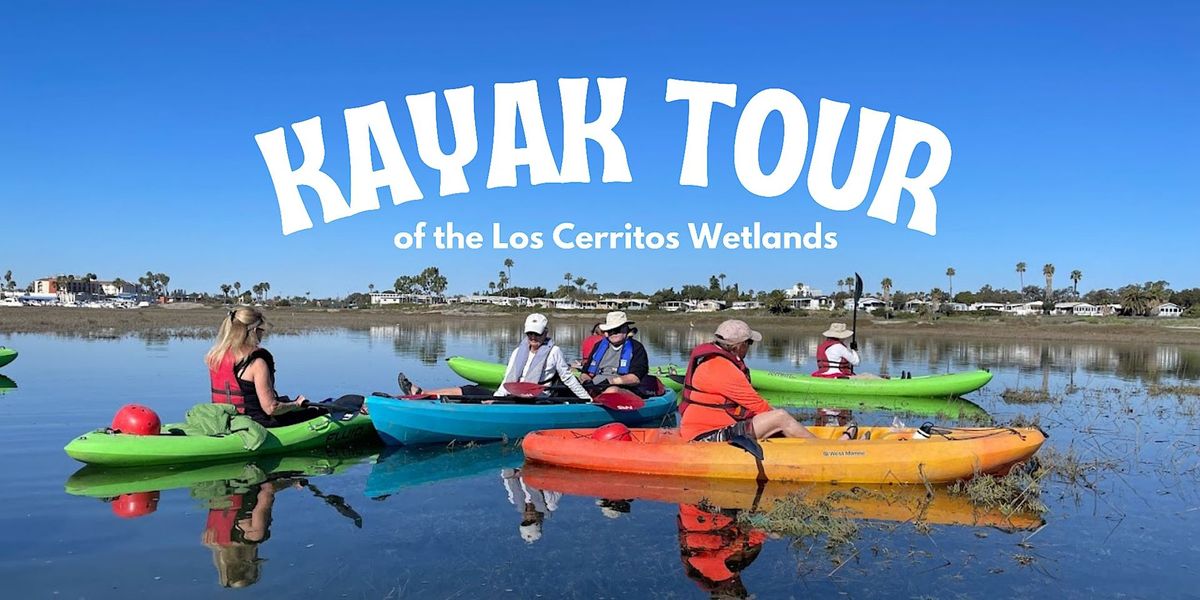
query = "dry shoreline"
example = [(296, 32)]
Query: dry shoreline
[(201, 321)]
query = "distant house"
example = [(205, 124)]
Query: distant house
[(1083, 309), (956, 306), (1027, 308), (805, 303), (1166, 309), (868, 303), (384, 298), (987, 306), (914, 305), (746, 305), (558, 303), (634, 303), (709, 306), (677, 305)]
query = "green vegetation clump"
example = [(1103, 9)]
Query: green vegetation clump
[(1026, 396), (802, 517), (1019, 491), (1180, 390)]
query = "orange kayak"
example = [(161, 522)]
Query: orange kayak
[(896, 503), (889, 456)]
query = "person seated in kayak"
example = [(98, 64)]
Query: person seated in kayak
[(535, 360), (718, 403), (589, 343), (243, 374), (835, 359), (617, 361)]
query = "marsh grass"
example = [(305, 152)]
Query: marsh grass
[(1019, 491), (1027, 396), (1180, 390), (810, 518)]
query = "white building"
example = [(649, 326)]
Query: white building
[(1166, 309), (987, 306), (746, 305), (709, 306)]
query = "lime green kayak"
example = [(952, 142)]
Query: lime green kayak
[(925, 386), (951, 408), (7, 355), (106, 482), (118, 449)]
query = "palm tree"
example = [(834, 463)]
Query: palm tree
[(257, 290), (886, 285), (579, 281), (8, 280), (266, 289), (508, 265), (225, 287), (592, 287), (1048, 271), (502, 278), (567, 278), (371, 287), (237, 289), (950, 275), (119, 284), (1076, 275), (491, 286), (722, 278), (1021, 273), (164, 280)]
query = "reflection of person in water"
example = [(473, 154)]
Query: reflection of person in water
[(715, 549), (236, 525), (534, 504)]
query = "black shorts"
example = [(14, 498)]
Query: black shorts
[(475, 390), (725, 434)]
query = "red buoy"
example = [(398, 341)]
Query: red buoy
[(613, 431), (132, 506), (136, 419)]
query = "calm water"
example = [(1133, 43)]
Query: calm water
[(441, 524)]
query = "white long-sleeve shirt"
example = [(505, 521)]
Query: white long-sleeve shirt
[(836, 353), (555, 364)]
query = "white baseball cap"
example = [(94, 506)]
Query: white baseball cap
[(536, 323)]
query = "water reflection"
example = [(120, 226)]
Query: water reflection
[(239, 498), (401, 468), (715, 547), (7, 384), (789, 350)]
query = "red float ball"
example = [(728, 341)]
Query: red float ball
[(613, 431), (132, 506)]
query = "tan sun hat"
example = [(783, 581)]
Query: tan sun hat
[(734, 331), (614, 320), (839, 331)]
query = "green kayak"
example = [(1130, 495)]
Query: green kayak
[(924, 386), (7, 355), (106, 482), (942, 408), (118, 449), (6, 384)]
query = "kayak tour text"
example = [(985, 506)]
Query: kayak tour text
[(518, 107), (569, 236)]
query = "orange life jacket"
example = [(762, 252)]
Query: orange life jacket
[(700, 354)]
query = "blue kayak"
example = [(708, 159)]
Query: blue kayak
[(416, 422)]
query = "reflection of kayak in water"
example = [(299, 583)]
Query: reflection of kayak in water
[(880, 503), (101, 482), (118, 449), (951, 408), (6, 384), (889, 456), (400, 468), (929, 386)]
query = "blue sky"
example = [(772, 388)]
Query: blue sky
[(127, 138)]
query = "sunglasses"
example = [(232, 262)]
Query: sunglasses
[(621, 329), (533, 335)]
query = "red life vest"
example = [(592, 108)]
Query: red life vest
[(228, 389), (225, 387), (222, 521), (700, 354), (845, 369)]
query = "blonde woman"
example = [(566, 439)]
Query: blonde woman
[(243, 373)]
